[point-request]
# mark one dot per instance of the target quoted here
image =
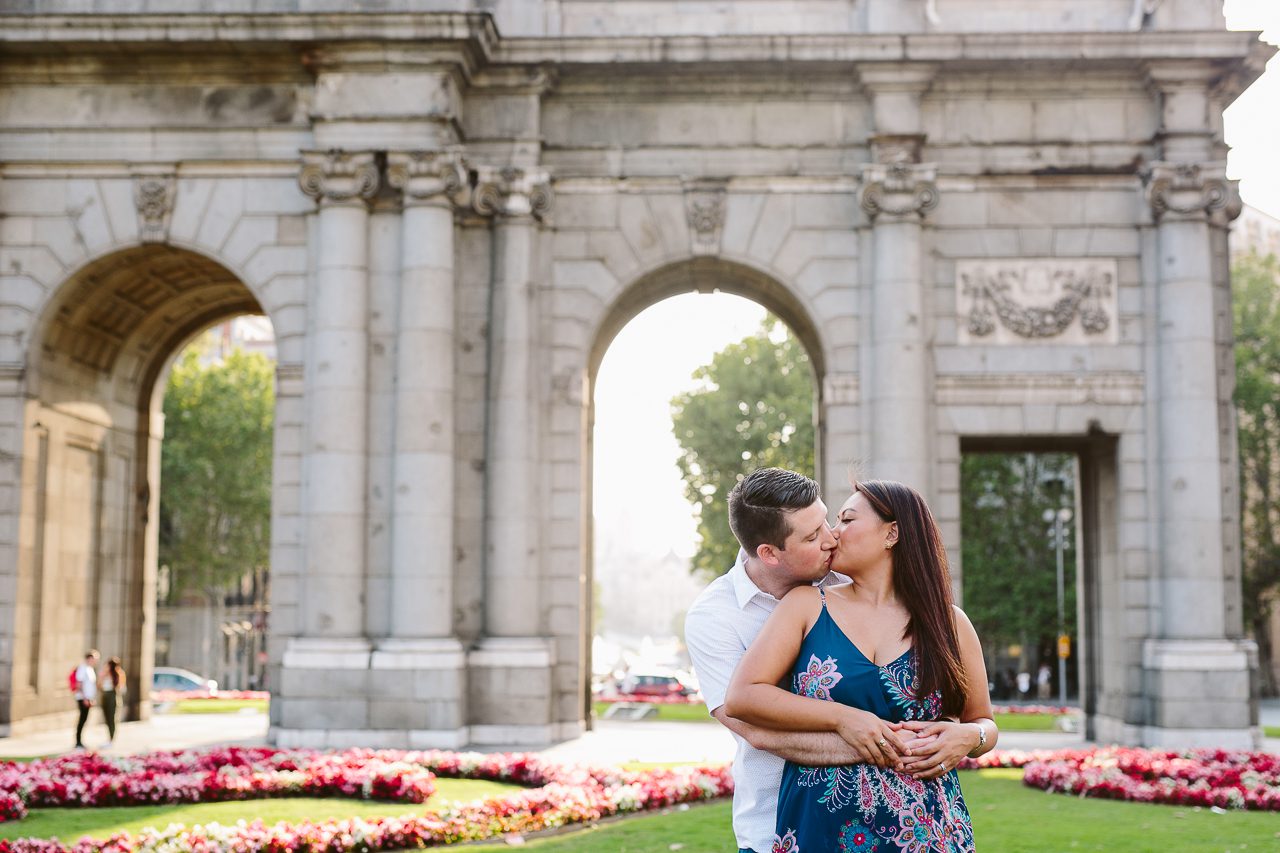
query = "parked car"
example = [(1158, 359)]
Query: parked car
[(181, 680), (653, 684)]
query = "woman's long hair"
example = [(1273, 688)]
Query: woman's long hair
[(922, 582), (116, 671)]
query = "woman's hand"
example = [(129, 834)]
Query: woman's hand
[(872, 738), (954, 741)]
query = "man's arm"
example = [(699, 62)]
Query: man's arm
[(811, 749)]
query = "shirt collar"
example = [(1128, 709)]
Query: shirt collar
[(744, 589)]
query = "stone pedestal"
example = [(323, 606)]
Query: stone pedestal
[(418, 692), (511, 690)]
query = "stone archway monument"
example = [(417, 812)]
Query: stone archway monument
[(992, 223)]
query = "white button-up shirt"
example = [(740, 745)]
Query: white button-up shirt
[(724, 619)]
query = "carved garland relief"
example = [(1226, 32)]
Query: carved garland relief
[(1036, 300)]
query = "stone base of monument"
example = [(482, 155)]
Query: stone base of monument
[(1200, 696)]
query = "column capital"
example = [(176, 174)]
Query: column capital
[(898, 190), (336, 177), (1192, 192), (512, 192), (435, 178)]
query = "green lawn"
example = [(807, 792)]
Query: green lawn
[(1007, 816), (218, 706), (695, 713), (1271, 731), (1027, 722), (71, 824)]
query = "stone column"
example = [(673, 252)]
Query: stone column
[(896, 193), (1196, 673), (512, 665), (896, 197), (419, 679), (324, 668)]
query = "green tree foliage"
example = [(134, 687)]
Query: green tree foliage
[(753, 408), (215, 470), (1255, 282), (1009, 563)]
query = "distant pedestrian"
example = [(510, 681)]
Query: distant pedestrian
[(1044, 680), (1024, 685), (84, 686), (112, 686)]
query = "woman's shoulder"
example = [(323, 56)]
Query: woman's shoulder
[(803, 599)]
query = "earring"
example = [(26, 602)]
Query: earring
[(888, 545)]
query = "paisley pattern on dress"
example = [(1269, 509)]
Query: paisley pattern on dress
[(785, 843), (817, 680), (902, 683), (860, 807)]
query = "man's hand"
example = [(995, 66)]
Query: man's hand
[(952, 741)]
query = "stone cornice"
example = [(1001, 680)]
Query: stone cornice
[(74, 33)]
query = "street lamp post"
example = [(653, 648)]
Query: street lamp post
[(1059, 518)]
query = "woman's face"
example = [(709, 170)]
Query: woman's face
[(863, 536)]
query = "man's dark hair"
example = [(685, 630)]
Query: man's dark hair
[(761, 503)]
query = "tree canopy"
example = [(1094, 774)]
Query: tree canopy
[(1255, 282), (215, 470), (753, 408), (1009, 563)]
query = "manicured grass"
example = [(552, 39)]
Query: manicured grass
[(695, 713), (69, 825), (1007, 816), (1271, 731), (218, 706), (1027, 722)]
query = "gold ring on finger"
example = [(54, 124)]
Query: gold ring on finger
[(882, 742)]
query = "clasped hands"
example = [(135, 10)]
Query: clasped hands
[(923, 749)]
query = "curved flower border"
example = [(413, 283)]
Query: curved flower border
[(558, 794)]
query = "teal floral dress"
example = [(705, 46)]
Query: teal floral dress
[(861, 808)]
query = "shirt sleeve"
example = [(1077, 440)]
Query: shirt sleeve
[(714, 649)]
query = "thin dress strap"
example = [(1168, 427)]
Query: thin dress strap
[(822, 595)]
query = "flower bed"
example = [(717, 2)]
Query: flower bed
[(559, 794), (185, 695), (1197, 777)]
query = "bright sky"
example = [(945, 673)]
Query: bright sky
[(639, 497)]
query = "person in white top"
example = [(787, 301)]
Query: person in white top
[(780, 521), (85, 691)]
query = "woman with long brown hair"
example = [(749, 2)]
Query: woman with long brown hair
[(889, 663), (112, 683)]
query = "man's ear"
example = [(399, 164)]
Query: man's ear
[(768, 555)]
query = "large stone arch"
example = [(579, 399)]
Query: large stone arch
[(88, 454), (570, 451)]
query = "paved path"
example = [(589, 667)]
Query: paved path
[(611, 741), (162, 731)]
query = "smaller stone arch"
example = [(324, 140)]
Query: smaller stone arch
[(707, 275), (88, 454)]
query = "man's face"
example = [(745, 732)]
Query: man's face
[(806, 555)]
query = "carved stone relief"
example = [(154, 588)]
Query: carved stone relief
[(153, 196), (704, 207), (1035, 300)]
